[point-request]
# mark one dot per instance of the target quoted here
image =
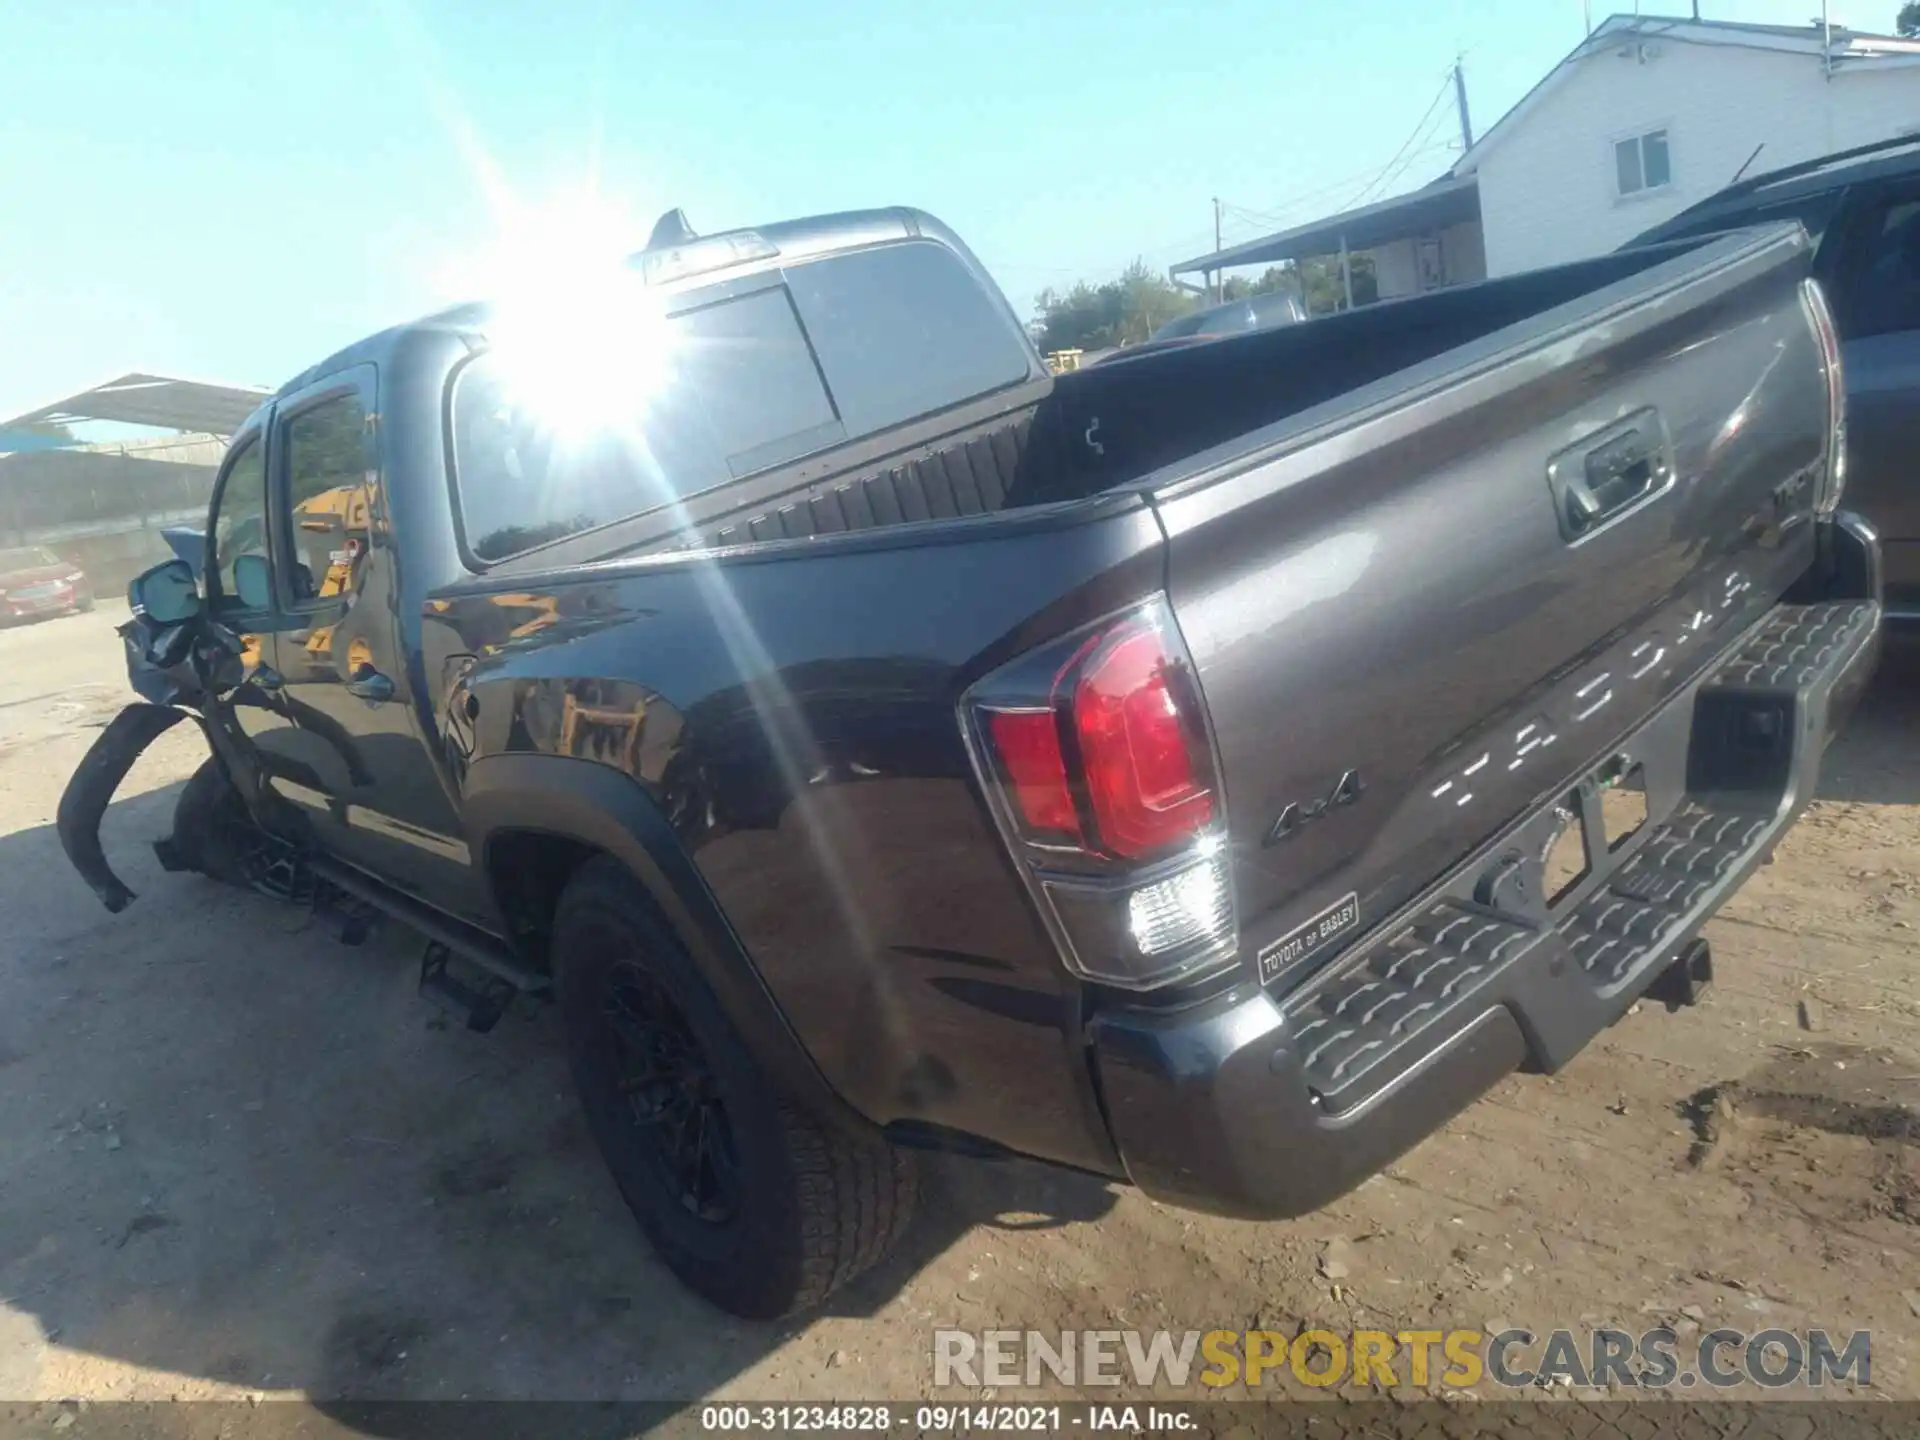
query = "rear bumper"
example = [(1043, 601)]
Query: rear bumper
[(1269, 1106)]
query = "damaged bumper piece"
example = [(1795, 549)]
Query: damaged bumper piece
[(91, 790)]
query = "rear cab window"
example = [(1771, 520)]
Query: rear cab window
[(829, 350)]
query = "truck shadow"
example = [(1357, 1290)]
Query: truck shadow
[(233, 1149), (1872, 761)]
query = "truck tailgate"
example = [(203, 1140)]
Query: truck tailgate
[(1419, 612)]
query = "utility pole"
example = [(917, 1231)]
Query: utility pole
[(1216, 249), (1460, 103)]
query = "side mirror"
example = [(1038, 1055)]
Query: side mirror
[(169, 592), (187, 543), (253, 582)]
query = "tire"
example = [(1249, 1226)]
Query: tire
[(210, 824), (85, 605), (776, 1210)]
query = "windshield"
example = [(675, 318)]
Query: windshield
[(1815, 211), (1228, 320), (32, 557), (1179, 329)]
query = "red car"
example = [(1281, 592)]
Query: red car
[(36, 583)]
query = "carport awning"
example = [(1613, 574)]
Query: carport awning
[(157, 400), (1432, 207)]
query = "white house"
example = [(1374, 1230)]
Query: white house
[(1644, 117), (1647, 116)]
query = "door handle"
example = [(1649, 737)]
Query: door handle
[(370, 685), (1599, 479)]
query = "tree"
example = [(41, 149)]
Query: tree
[(1324, 290), (1908, 21), (1239, 287), (1316, 281), (1121, 311), (1130, 307)]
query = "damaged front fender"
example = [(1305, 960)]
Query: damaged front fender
[(91, 788)]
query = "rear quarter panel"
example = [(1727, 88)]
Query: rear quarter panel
[(792, 712)]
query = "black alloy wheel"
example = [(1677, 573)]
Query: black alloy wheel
[(672, 1093)]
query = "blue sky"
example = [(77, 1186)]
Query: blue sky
[(229, 190)]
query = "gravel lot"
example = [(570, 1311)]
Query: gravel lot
[(238, 1158)]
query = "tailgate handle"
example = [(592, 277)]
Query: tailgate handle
[(1598, 480)]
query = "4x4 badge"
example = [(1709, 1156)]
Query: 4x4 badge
[(1349, 789)]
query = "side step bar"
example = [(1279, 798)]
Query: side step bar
[(470, 975), (453, 983), (483, 950)]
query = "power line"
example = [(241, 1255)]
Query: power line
[(1412, 136), (1419, 143), (1282, 214), (1390, 178)]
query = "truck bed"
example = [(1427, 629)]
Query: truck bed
[(1117, 422)]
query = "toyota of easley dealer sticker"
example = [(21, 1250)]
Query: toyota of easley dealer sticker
[(1290, 949)]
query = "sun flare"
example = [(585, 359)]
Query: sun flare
[(579, 337)]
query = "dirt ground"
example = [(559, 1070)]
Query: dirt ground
[(238, 1158)]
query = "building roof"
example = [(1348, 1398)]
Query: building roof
[(1454, 197), (157, 400), (1851, 50), (1447, 201)]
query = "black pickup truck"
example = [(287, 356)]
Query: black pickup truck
[(1212, 771), (1862, 209)]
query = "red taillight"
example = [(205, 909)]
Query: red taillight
[(1093, 750), (1133, 745), (1029, 746), (1133, 763)]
